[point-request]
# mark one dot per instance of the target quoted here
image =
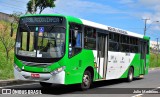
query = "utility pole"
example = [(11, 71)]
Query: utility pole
[(145, 25), (33, 7), (157, 50)]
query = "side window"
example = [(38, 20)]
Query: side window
[(89, 38), (124, 44), (128, 44), (75, 39), (133, 45), (113, 42)]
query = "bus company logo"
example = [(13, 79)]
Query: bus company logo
[(115, 60), (6, 91), (117, 30), (112, 57), (122, 58), (122, 61)]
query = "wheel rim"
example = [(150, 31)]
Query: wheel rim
[(86, 80), (131, 76)]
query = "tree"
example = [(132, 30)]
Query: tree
[(39, 4), (30, 7), (16, 16), (5, 38)]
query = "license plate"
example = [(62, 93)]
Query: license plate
[(35, 75)]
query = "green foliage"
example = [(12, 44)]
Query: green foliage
[(6, 64), (6, 67), (154, 60), (29, 7), (5, 39), (40, 4)]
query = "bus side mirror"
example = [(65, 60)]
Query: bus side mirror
[(11, 33)]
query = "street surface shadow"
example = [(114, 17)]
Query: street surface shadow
[(99, 87), (74, 89)]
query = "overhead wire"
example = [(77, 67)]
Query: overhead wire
[(7, 7)]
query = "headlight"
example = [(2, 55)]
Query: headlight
[(17, 68), (58, 70)]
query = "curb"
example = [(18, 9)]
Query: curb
[(157, 68), (13, 82)]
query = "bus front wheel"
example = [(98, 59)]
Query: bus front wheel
[(43, 84), (86, 81)]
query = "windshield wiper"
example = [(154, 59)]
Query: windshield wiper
[(53, 26), (61, 27)]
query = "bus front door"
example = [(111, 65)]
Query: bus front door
[(102, 55)]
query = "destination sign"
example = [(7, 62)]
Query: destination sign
[(117, 30), (41, 20)]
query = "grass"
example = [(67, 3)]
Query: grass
[(6, 68), (153, 60)]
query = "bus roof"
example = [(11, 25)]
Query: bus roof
[(96, 25), (109, 28)]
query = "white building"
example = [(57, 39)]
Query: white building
[(153, 44)]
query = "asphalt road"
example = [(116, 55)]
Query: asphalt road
[(100, 89)]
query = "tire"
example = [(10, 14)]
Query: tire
[(43, 84), (130, 75), (86, 80)]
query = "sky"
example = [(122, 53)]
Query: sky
[(123, 14)]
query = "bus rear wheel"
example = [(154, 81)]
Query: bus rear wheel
[(130, 75), (86, 81), (43, 84)]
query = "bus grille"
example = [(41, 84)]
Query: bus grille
[(36, 64)]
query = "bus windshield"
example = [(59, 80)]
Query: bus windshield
[(41, 41)]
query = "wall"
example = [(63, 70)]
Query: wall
[(6, 17)]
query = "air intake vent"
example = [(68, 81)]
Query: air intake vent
[(36, 64)]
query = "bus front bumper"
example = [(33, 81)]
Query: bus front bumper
[(41, 77)]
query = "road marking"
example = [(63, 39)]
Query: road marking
[(140, 95), (19, 85)]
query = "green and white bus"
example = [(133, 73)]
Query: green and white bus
[(58, 49)]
